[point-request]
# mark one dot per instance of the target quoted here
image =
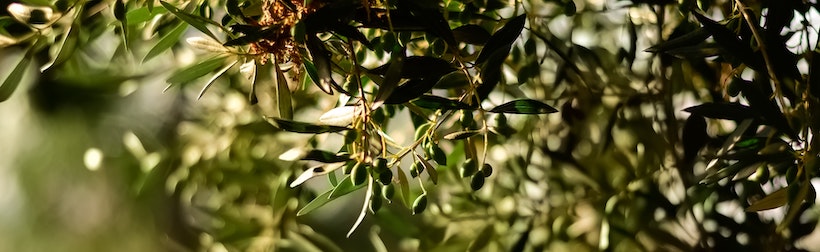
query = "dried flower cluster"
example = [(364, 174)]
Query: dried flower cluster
[(281, 18)]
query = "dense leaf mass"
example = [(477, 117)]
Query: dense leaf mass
[(410, 125)]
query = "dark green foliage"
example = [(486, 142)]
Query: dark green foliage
[(672, 147)]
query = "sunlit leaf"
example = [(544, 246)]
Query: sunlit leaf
[(170, 39), (730, 170), (301, 127), (206, 44), (14, 78), (368, 197), (524, 106), (212, 79), (196, 21), (197, 70), (312, 173), (66, 48), (431, 170), (773, 200), (141, 15), (341, 116), (343, 188)]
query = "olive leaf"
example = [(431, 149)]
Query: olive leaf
[(197, 70), (773, 200), (326, 156), (166, 42), (728, 111), (312, 173), (438, 102), (197, 22), (524, 106), (302, 127), (14, 78), (391, 78), (343, 188), (502, 38)]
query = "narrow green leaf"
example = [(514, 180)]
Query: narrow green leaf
[(312, 173), (391, 78), (483, 239), (314, 204), (368, 197), (774, 200), (326, 156), (197, 70), (728, 111), (67, 48), (731, 43), (14, 78), (452, 80), (283, 95), (419, 67), (343, 188), (698, 51), (331, 177), (194, 20), (759, 94), (524, 106), (301, 127), (795, 196), (410, 90), (311, 70), (692, 38), (438, 102), (491, 72), (212, 79), (166, 42), (502, 38), (321, 62), (404, 187), (461, 134), (727, 171), (141, 15), (431, 170)]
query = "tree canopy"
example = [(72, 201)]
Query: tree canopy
[(401, 125)]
